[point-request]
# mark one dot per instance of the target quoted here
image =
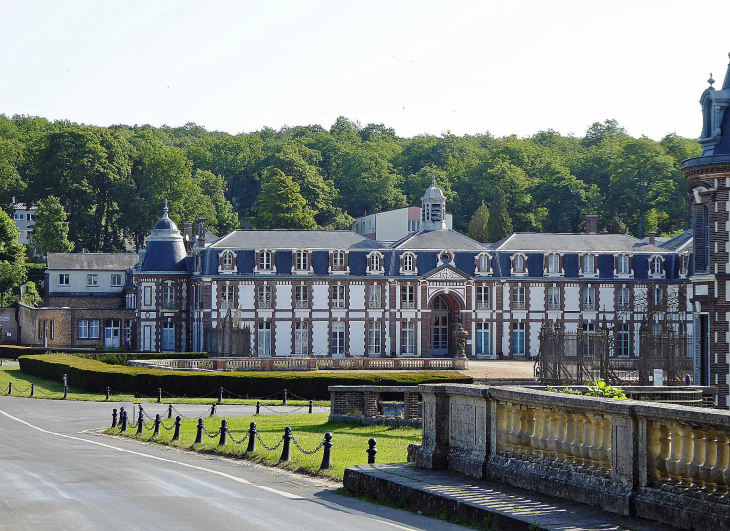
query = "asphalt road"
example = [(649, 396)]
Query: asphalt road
[(55, 475)]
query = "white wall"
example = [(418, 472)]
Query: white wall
[(246, 296), (357, 338), (320, 296), (78, 281), (320, 339), (572, 299), (606, 299), (357, 297), (283, 338), (537, 298), (283, 297)]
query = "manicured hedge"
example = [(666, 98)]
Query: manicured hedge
[(96, 376), (13, 352)]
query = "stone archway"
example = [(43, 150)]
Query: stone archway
[(444, 319)]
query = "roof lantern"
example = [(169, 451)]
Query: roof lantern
[(165, 246), (433, 208)]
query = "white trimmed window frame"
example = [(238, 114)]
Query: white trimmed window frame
[(257, 269), (559, 270), (227, 265), (630, 273), (298, 267), (408, 264), (654, 260), (512, 271), (371, 259), (478, 262), (581, 265), (336, 255), (684, 264), (447, 253)]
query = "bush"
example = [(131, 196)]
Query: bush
[(112, 357), (96, 376)]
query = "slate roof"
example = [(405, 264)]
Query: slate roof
[(92, 261), (575, 243), (679, 243), (439, 240), (295, 239)]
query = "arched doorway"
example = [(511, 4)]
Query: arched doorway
[(440, 327)]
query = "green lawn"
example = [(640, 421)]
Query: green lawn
[(350, 441), (50, 389)]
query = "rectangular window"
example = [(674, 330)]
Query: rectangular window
[(265, 261), (658, 296), (301, 338), (29, 217), (374, 338), (264, 296), (588, 263), (17, 217), (83, 329), (301, 297), (518, 298), (228, 298), (302, 261), (554, 263), (589, 298), (407, 296), (116, 280), (482, 339), (624, 340), (624, 298), (408, 338), (168, 296), (338, 338), (147, 295), (64, 279), (589, 341), (168, 337), (484, 298), (92, 280), (518, 339), (374, 296), (338, 260), (338, 296), (93, 329), (553, 298), (623, 265), (264, 346), (128, 333)]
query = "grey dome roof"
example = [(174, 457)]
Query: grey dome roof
[(433, 192), (166, 224), (165, 247)]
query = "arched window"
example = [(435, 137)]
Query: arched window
[(408, 262), (227, 261), (656, 266), (483, 263), (168, 296), (375, 263), (519, 264)]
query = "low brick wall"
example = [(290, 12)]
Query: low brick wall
[(360, 403), (668, 463)]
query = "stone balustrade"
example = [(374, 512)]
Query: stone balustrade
[(360, 402), (664, 462)]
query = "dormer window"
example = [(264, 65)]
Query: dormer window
[(302, 262), (338, 260), (408, 264), (519, 264), (623, 266), (683, 264), (588, 265), (482, 264), (656, 266), (554, 263), (375, 264), (446, 257), (227, 262), (265, 260)]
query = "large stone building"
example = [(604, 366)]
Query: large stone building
[(709, 186)]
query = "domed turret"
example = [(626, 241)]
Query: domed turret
[(165, 247), (433, 209)]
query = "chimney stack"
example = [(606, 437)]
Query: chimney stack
[(188, 235), (652, 238), (591, 224), (200, 231)]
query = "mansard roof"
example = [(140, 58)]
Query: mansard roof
[(575, 243), (295, 239), (680, 243), (438, 240), (92, 261)]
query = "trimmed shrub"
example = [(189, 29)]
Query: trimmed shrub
[(96, 376), (111, 357)]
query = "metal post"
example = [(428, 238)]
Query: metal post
[(251, 438), (157, 426), (32, 390), (258, 407), (10, 388), (176, 434), (220, 395), (224, 430), (372, 451), (141, 411), (123, 420), (114, 418), (283, 400), (327, 445), (212, 410), (140, 423), (310, 406), (108, 392), (286, 451), (169, 411), (199, 436), (65, 391), (159, 395)]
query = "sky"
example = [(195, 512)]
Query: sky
[(420, 67)]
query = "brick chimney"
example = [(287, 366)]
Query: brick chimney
[(652, 238), (188, 235), (200, 231), (591, 224)]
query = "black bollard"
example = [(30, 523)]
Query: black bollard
[(199, 436), (159, 395), (326, 464), (251, 438), (372, 451), (10, 388), (176, 433), (108, 392), (311, 402), (220, 395), (32, 390), (286, 451), (212, 410), (157, 426), (65, 391), (169, 411), (258, 407), (224, 430), (114, 418), (140, 423), (123, 420), (141, 412), (283, 397)]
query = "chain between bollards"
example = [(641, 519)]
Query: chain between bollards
[(372, 451), (224, 431), (251, 438), (176, 434), (199, 436), (114, 418), (286, 451), (327, 444)]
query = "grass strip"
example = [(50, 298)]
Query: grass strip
[(350, 441)]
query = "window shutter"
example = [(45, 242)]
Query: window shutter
[(697, 350), (700, 238)]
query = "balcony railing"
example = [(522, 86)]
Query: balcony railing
[(301, 304), (484, 306), (375, 304), (264, 304), (519, 305), (407, 305)]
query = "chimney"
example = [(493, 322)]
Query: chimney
[(200, 231), (188, 235), (652, 238), (591, 224)]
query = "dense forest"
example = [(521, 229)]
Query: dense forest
[(112, 180)]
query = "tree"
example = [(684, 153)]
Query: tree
[(50, 232), (478, 225), (280, 205), (12, 260), (499, 224), (31, 297)]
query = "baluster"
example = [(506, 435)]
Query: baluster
[(698, 437), (686, 456), (567, 439), (558, 444), (710, 460), (604, 451), (504, 424), (675, 456), (585, 447), (660, 442), (552, 435), (576, 440), (596, 441), (528, 426), (514, 434), (721, 473), (538, 432)]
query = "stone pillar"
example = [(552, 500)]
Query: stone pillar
[(435, 445)]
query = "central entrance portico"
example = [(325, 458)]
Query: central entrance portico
[(446, 295), (440, 327)]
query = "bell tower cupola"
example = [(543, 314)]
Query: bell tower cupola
[(433, 208)]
